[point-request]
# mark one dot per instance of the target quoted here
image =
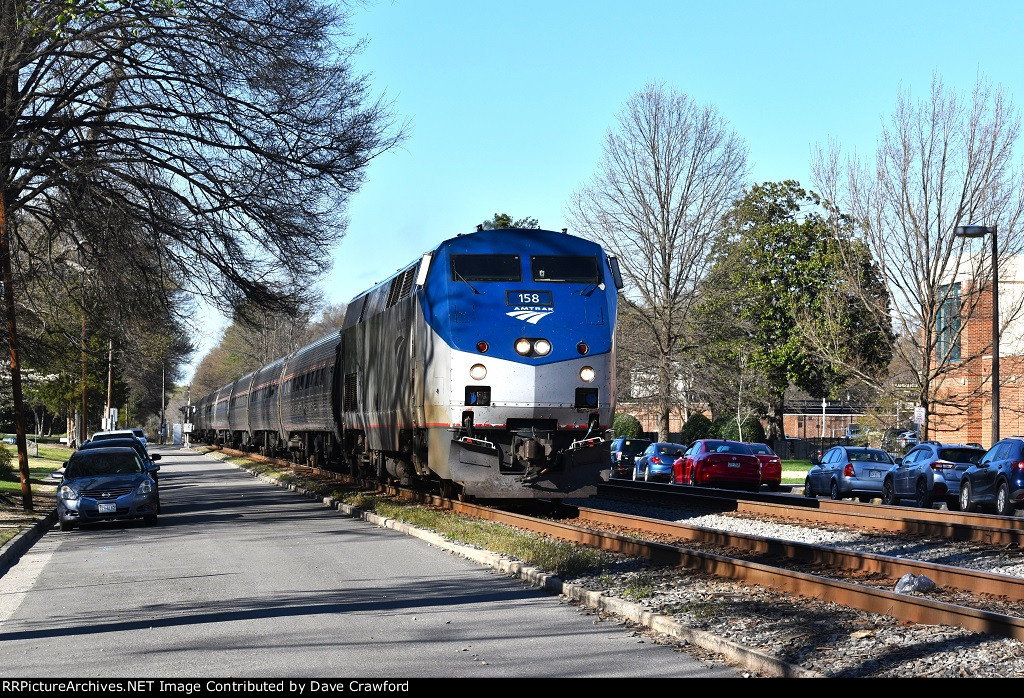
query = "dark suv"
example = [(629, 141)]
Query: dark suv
[(624, 453), (930, 472), (997, 482)]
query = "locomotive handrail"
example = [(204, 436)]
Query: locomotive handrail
[(477, 442), (580, 443)]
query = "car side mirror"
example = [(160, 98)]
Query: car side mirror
[(153, 468), (57, 475), (815, 460), (155, 456)]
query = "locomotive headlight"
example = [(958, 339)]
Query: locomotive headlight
[(478, 372), (523, 346), (542, 347), (588, 374)]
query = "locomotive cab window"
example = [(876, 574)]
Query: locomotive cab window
[(486, 267), (565, 269)]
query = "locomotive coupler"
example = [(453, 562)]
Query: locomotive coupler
[(533, 454)]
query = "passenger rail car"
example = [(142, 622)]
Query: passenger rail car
[(486, 367)]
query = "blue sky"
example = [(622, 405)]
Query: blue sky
[(508, 104)]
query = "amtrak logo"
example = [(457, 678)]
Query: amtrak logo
[(530, 315)]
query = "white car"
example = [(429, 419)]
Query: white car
[(121, 433), (908, 439)]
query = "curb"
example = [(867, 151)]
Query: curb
[(13, 549), (745, 657)]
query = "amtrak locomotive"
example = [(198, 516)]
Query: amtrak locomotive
[(486, 367)]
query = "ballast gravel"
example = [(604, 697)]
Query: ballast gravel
[(815, 634)]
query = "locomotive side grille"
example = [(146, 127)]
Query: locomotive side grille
[(396, 287), (401, 285), (350, 403), (407, 279)]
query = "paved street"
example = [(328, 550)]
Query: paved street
[(244, 579)]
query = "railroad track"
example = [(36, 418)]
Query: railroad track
[(988, 529), (982, 602)]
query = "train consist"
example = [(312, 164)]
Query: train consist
[(485, 368)]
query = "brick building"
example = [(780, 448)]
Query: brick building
[(969, 384)]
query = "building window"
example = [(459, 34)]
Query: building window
[(947, 345)]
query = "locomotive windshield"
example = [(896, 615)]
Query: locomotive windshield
[(486, 267), (576, 270)]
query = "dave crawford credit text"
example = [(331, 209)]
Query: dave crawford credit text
[(207, 686)]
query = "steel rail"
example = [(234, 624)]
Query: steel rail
[(912, 609), (963, 578), (971, 527), (906, 608)]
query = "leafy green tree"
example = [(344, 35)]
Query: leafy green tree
[(778, 267), (753, 430), (696, 427), (503, 221), (718, 427), (626, 425), (6, 464)]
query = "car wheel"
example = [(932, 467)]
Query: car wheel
[(693, 475), (888, 493), (647, 475), (921, 496), (772, 486), (808, 488), (833, 491), (66, 525), (966, 502), (151, 520), (1004, 506)]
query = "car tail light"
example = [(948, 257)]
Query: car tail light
[(618, 455), (655, 459), (1019, 465), (941, 465), (848, 470)]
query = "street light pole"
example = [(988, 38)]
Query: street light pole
[(977, 231)]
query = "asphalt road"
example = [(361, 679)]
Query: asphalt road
[(244, 579)]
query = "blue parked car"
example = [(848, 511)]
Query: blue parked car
[(996, 483), (104, 484), (655, 465)]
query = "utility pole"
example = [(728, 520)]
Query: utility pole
[(187, 426), (110, 381), (163, 402), (84, 432)]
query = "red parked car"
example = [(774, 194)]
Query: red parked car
[(771, 465), (718, 463)]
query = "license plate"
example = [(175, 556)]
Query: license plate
[(733, 465), (108, 507), (874, 473)]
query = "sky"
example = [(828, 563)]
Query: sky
[(507, 105)]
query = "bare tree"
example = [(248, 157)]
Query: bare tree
[(229, 133), (941, 162), (670, 170)]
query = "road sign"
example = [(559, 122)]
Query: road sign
[(918, 415)]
